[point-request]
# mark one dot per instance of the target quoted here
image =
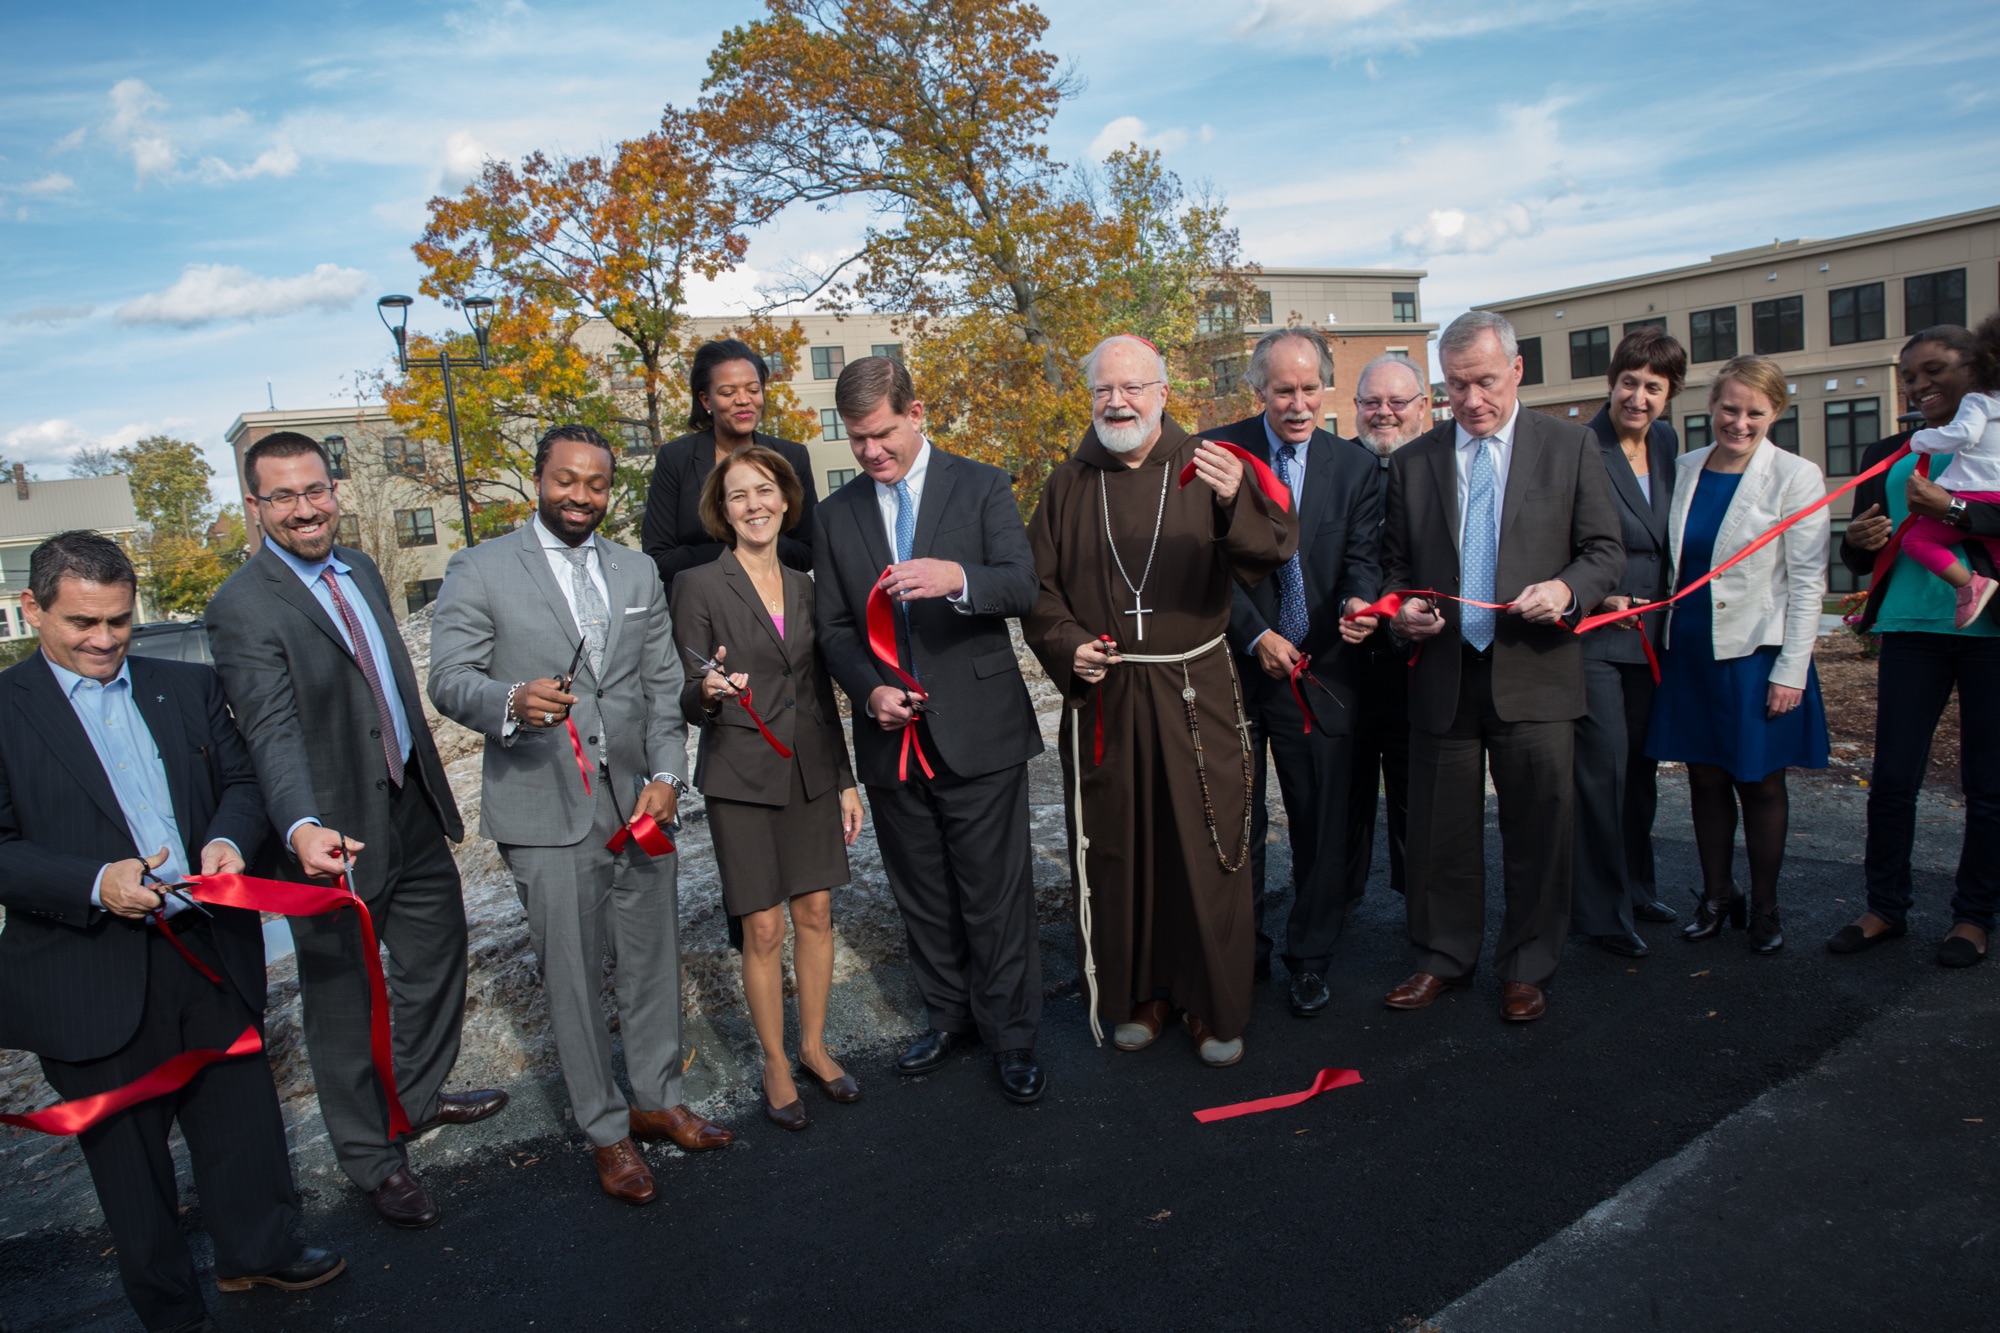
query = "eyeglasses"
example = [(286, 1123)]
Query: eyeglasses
[(312, 495), (1103, 392), (1396, 405)]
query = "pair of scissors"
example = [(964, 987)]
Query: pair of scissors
[(146, 876), (568, 678)]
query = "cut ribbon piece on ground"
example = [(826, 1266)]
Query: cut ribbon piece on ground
[(1328, 1080)]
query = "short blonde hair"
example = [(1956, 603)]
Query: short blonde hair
[(715, 513), (1757, 373)]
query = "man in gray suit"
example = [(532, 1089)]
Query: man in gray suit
[(511, 617), (322, 687), (1498, 505)]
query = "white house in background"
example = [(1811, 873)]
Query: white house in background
[(31, 512)]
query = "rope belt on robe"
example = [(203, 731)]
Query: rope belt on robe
[(171, 1075), (1076, 808)]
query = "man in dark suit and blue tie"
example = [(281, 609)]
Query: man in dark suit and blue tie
[(118, 777), (1337, 490)]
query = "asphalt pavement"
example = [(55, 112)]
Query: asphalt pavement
[(1700, 1139)]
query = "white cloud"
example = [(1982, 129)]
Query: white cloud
[(280, 159), (53, 183), (70, 142), (51, 314), (464, 158), (211, 293), (136, 133), (1453, 231), (1128, 130), (1362, 25), (330, 78), (55, 442)]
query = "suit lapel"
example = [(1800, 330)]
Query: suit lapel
[(1663, 471), (162, 714), (50, 714), (796, 585), (1757, 480), (867, 511), (739, 583), (1521, 469), (937, 494), (535, 562), (292, 590), (1444, 472)]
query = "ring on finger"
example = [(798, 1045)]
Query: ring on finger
[(548, 719)]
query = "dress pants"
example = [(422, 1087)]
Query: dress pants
[(228, 1113), (1915, 676), (1313, 776), (411, 886), (960, 864), (1532, 772), (1381, 764), (1616, 797), (582, 901)]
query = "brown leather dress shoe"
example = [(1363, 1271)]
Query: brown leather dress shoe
[(1522, 1003), (1419, 989), (1143, 1028), (682, 1126), (624, 1173), (403, 1201), (463, 1108)]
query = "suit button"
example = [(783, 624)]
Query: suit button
[(592, 740), (375, 733), (788, 671), (788, 703), (381, 784), (1720, 605)]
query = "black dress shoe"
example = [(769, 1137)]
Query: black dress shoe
[(403, 1201), (1765, 937), (463, 1108), (1309, 994), (1625, 946), (1021, 1079), (1851, 938), (1712, 914), (1655, 911), (926, 1053), (310, 1269)]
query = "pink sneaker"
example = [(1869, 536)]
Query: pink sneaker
[(1972, 600)]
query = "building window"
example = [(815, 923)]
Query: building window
[(1840, 580), (1713, 333), (831, 427), (1784, 431), (828, 362), (1531, 360), (1217, 314), (1933, 298), (1332, 423), (403, 456), (1659, 322), (1225, 375), (776, 368), (894, 351), (1403, 307), (1264, 308), (420, 593), (836, 477), (1778, 325), (1850, 428), (1855, 315), (1589, 354), (415, 527), (638, 440), (1695, 433), (348, 532), (336, 456)]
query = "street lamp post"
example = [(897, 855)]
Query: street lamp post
[(479, 314)]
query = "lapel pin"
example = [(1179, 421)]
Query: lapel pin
[(159, 698)]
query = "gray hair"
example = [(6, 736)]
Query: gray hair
[(1464, 331), (1390, 359), (79, 553), (1258, 374), (1097, 353)]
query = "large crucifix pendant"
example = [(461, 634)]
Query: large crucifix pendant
[(1139, 612)]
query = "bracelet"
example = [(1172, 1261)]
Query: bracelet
[(513, 711)]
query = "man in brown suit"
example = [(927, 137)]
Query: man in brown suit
[(1498, 505)]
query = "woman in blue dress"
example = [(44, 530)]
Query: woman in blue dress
[(1739, 701)]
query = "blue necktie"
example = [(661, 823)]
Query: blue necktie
[(1480, 548), (1292, 622), (906, 521)]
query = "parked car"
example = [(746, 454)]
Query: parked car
[(175, 640)]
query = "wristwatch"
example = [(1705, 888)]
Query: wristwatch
[(671, 781), (1955, 514)]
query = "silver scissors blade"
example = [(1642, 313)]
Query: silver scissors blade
[(705, 663)]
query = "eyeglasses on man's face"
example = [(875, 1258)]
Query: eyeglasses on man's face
[(1103, 392), (1396, 405), (314, 495)]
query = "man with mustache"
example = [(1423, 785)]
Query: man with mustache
[(322, 686), (1137, 576), (1306, 716), (512, 615)]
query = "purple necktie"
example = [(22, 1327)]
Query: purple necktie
[(365, 657)]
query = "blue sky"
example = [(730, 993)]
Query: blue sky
[(198, 199)]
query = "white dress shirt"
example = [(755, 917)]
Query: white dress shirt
[(1502, 442), (557, 551)]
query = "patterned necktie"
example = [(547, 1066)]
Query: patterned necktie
[(1480, 548), (592, 616), (906, 521), (1292, 622), (364, 657)]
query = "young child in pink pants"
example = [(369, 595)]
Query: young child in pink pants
[(1973, 441)]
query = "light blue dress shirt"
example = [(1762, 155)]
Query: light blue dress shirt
[(131, 759), (1297, 468)]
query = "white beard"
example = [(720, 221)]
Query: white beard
[(1122, 437)]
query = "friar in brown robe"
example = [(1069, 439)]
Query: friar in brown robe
[(1155, 753)]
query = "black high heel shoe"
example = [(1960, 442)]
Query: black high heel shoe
[(1765, 937), (1709, 916)]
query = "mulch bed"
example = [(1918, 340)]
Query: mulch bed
[(1847, 682)]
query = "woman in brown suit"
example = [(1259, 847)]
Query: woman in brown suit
[(782, 825)]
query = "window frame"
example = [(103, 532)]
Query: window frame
[(828, 360), (1595, 341), (1711, 337), (1859, 324), (1530, 352), (1399, 303), (1913, 322), (336, 457), (416, 527), (1632, 326), (1786, 316), (1690, 431), (836, 477), (832, 428), (1788, 418), (1843, 409), (893, 351)]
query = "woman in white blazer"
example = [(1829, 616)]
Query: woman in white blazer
[(1739, 701)]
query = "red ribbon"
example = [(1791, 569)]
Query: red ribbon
[(251, 895), (645, 831), (1267, 480), (170, 1075), (1894, 546), (208, 974), (773, 741), (1328, 1080), (576, 744), (882, 642), (1300, 668)]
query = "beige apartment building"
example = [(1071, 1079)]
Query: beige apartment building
[(1834, 313)]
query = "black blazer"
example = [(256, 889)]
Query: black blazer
[(717, 604), (73, 976), (672, 533), (1557, 521), (1649, 563), (985, 721), (1983, 521), (1340, 523), (307, 713)]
